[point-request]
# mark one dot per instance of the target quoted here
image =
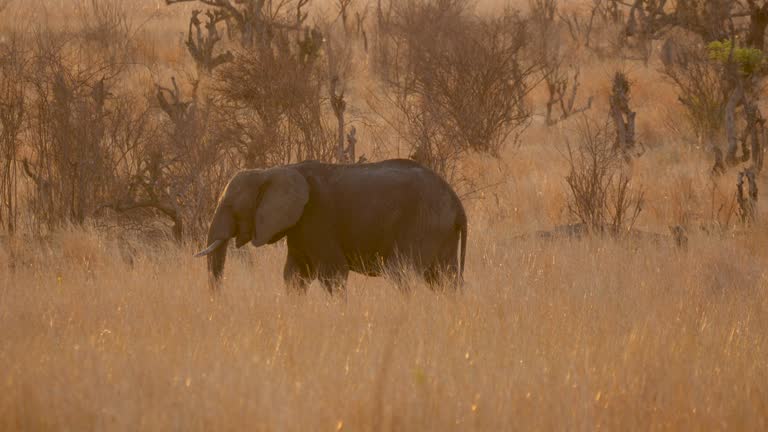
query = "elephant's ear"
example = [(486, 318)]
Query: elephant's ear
[(284, 195)]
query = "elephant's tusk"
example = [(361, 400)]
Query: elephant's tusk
[(209, 249)]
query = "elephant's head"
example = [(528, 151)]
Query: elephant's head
[(257, 206)]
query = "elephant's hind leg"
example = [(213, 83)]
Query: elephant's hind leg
[(296, 275)]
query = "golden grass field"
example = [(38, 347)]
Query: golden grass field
[(101, 333), (565, 336)]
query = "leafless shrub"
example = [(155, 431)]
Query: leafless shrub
[(712, 93), (581, 26), (685, 202), (720, 87), (67, 124), (89, 143), (563, 86), (744, 83), (274, 98), (601, 195), (256, 22), (266, 105), (360, 28), (105, 29), (561, 72), (458, 82), (270, 93), (722, 210), (597, 26), (197, 149), (701, 89), (13, 64), (703, 92), (711, 20), (179, 172), (651, 19), (343, 7), (83, 127)]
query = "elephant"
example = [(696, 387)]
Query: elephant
[(369, 218)]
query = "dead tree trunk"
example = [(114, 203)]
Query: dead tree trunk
[(623, 117), (745, 93), (719, 165), (747, 199), (339, 106), (755, 129), (361, 28), (736, 97), (351, 144), (758, 21), (756, 133), (202, 46)]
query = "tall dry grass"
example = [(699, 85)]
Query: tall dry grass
[(100, 335)]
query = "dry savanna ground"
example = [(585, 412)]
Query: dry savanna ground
[(99, 332)]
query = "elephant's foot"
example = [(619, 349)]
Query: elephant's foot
[(335, 284)]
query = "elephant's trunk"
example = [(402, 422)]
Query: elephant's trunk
[(221, 230), (216, 260)]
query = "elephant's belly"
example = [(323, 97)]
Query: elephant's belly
[(375, 264), (367, 272)]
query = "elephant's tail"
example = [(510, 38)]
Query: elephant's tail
[(462, 226)]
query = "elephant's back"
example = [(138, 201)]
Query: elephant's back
[(396, 186), (392, 206)]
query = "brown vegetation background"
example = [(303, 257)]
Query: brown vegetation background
[(106, 322)]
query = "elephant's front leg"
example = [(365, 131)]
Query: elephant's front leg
[(333, 270), (296, 275), (335, 281)]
